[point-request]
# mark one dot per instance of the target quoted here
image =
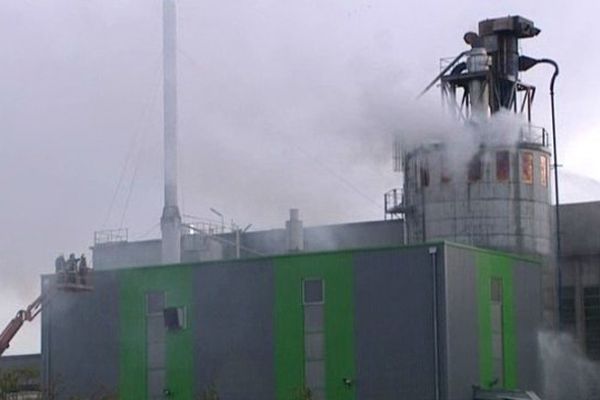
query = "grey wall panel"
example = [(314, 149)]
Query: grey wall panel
[(80, 340), (577, 222), (462, 339), (126, 254), (356, 235), (528, 307), (233, 320), (394, 329)]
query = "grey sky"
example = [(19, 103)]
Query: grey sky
[(282, 104)]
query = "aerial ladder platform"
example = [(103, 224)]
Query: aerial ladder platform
[(65, 280)]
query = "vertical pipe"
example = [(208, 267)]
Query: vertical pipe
[(558, 278), (434, 300), (171, 219), (294, 232), (556, 201), (237, 243), (170, 101)]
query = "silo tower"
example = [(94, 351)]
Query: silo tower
[(496, 194)]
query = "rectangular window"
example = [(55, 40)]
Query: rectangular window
[(502, 166), (475, 169), (567, 308), (496, 290), (424, 176), (156, 342), (155, 303), (313, 296), (591, 306), (445, 174), (544, 170), (313, 291), (527, 167)]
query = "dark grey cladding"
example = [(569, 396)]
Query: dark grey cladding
[(80, 340), (394, 324), (528, 302), (234, 340), (462, 328)]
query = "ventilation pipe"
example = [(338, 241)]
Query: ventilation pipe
[(477, 62), (295, 232)]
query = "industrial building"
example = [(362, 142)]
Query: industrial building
[(443, 299), (580, 275), (427, 321)]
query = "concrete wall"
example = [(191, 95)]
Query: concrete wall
[(197, 248), (509, 215), (580, 267), (579, 224), (126, 254)]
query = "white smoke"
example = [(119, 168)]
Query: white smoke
[(567, 373)]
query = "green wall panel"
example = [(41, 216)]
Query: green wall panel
[(494, 265), (337, 272), (176, 281)]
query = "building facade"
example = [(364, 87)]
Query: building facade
[(580, 275), (428, 321)]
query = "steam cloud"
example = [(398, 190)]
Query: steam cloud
[(567, 374)]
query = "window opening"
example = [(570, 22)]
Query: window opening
[(591, 306), (156, 344), (445, 175), (474, 173), (313, 296), (544, 170), (502, 166), (527, 167), (313, 291), (567, 308), (424, 176)]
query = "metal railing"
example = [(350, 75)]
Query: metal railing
[(196, 227), (534, 135), (111, 236), (393, 201)]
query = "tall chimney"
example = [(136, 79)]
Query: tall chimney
[(170, 222)]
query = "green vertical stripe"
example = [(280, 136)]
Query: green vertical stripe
[(134, 284), (337, 272), (493, 265)]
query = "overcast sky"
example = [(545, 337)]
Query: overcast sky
[(282, 104)]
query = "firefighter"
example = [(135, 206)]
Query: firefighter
[(72, 268), (83, 269), (60, 264)]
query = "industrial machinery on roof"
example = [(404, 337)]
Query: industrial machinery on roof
[(488, 185)]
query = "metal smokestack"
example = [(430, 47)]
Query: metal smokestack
[(170, 222)]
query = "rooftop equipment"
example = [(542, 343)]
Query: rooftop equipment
[(496, 194)]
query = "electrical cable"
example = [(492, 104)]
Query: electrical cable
[(305, 153), (149, 104)]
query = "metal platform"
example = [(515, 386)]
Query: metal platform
[(71, 282)]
